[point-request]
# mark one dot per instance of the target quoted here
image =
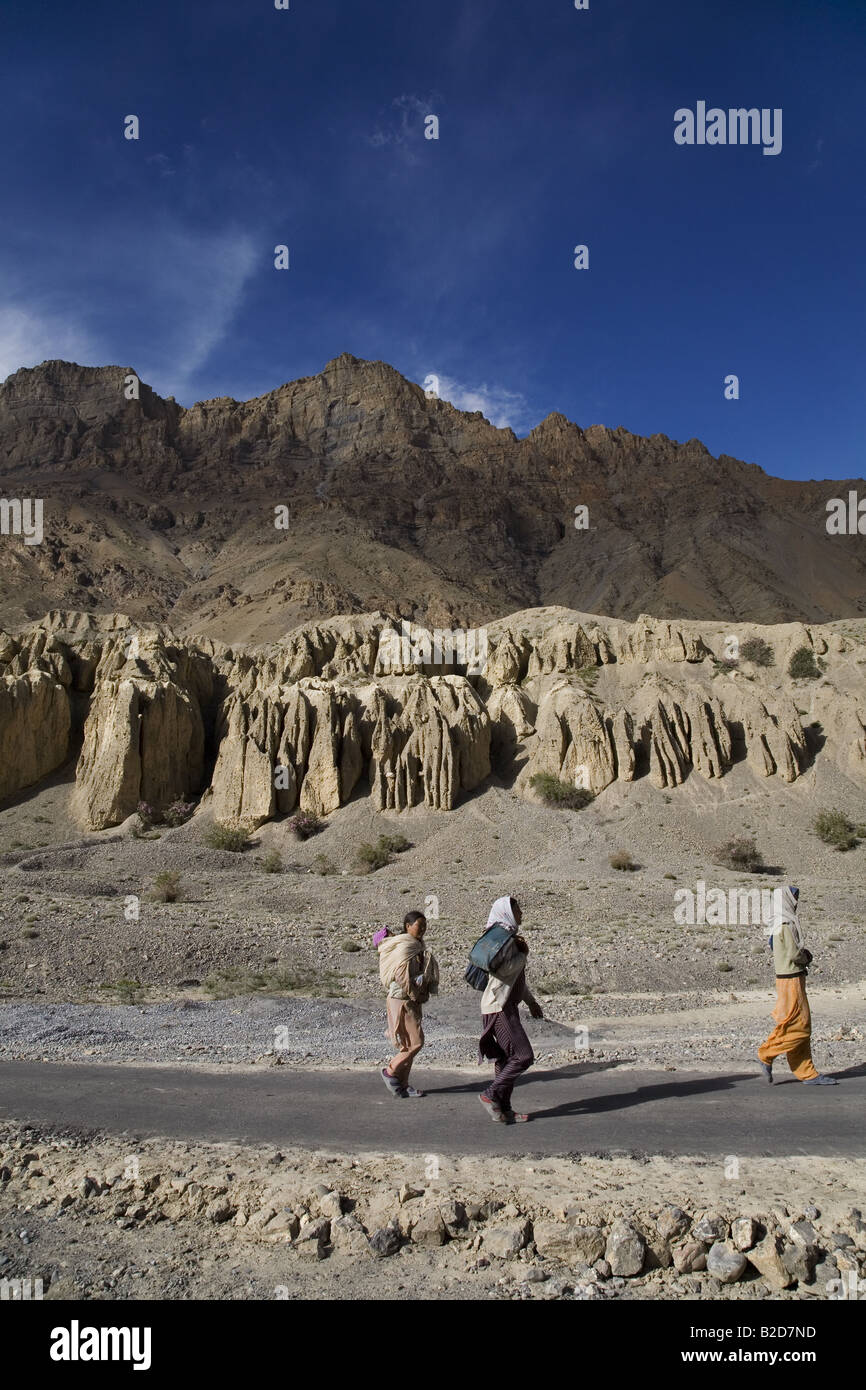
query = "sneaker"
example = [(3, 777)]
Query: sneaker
[(512, 1118), (821, 1081), (392, 1083), (767, 1069), (492, 1109), (411, 1092)]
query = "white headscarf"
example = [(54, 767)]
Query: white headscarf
[(501, 915), (785, 913)]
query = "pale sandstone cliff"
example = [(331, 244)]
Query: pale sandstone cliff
[(318, 718)]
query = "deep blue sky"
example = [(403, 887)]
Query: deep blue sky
[(453, 257)]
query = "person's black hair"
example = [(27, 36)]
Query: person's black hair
[(413, 917), (515, 905)]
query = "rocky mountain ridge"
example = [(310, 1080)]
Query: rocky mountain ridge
[(392, 501)]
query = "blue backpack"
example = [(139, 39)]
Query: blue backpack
[(490, 951)]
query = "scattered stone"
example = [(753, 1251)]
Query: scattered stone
[(313, 1238), (505, 1242), (690, 1256), (825, 1270), (767, 1260), (625, 1249), (744, 1232), (799, 1262), (348, 1235), (284, 1224), (407, 1193), (428, 1228), (385, 1242), (569, 1242), (558, 1288), (454, 1216), (725, 1263), (803, 1234), (847, 1261), (672, 1223), (332, 1204), (219, 1210), (710, 1228)]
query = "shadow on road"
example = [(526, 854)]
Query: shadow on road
[(642, 1095), (573, 1070), (620, 1100)]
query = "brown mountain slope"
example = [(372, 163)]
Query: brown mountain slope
[(396, 502)]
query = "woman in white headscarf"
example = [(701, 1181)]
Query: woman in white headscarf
[(504, 1039), (792, 1034)]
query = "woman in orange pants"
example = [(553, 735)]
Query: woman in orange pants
[(792, 1034)]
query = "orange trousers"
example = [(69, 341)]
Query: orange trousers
[(793, 1031)]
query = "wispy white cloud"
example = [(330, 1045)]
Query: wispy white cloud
[(402, 128), (164, 307), (32, 335), (201, 282), (503, 408)]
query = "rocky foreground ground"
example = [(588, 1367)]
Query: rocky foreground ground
[(93, 1217)]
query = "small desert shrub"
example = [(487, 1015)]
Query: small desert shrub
[(724, 967), (272, 862), (166, 887), (622, 860), (395, 844), (554, 792), (350, 946), (741, 854), (128, 991), (372, 857), (304, 824), (802, 665), (178, 812), (560, 984), (228, 983), (230, 837), (148, 815), (756, 650), (139, 833), (834, 828), (323, 865), (589, 675)]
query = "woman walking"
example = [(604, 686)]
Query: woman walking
[(410, 975), (793, 1031), (504, 1040)]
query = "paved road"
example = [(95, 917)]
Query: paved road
[(585, 1108)]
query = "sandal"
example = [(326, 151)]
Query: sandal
[(392, 1083), (512, 1118), (492, 1109)]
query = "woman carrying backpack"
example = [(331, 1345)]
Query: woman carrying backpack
[(504, 1040), (410, 975)]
